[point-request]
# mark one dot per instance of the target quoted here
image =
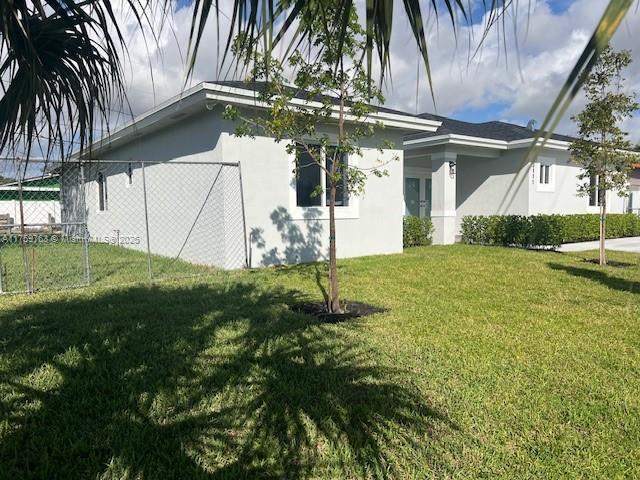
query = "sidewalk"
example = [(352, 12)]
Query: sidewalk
[(630, 244)]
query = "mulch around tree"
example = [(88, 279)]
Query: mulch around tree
[(352, 310)]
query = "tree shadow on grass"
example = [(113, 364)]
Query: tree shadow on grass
[(202, 382), (610, 281)]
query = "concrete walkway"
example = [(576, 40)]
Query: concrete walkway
[(630, 244)]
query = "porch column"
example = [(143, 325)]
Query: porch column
[(443, 197)]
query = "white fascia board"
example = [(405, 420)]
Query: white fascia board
[(241, 96), (455, 139), (551, 144), (426, 142)]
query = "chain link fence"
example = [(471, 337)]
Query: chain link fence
[(105, 222)]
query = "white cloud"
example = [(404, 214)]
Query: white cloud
[(524, 82), (155, 65)]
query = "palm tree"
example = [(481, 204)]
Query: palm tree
[(60, 67)]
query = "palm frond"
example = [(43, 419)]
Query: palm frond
[(608, 25), (60, 72), (280, 19)]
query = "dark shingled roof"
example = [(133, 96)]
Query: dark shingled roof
[(493, 130)]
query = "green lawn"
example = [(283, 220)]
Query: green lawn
[(490, 362), (62, 265)]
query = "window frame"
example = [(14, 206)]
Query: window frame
[(312, 165), (549, 163), (345, 191), (545, 174), (128, 175), (320, 212), (102, 188), (598, 199)]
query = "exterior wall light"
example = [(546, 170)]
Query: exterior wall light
[(452, 168)]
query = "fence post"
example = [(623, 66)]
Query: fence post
[(146, 222), (85, 231), (1, 272), (25, 260), (244, 220)]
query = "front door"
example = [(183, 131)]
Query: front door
[(417, 195)]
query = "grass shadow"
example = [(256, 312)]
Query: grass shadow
[(600, 276), (204, 382)]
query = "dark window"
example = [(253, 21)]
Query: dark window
[(545, 176), (129, 174), (308, 180), (594, 193), (102, 192), (342, 197)]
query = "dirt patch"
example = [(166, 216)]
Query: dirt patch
[(352, 310)]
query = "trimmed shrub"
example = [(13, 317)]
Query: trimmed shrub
[(545, 230), (416, 231), (582, 228)]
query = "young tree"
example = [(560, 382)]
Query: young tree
[(328, 125), (602, 149)]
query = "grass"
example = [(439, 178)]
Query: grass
[(490, 362), (55, 266)]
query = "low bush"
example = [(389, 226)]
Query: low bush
[(545, 230), (416, 231), (582, 228)]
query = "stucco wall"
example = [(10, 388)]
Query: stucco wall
[(500, 183), (563, 198), (491, 186), (279, 231), (185, 209)]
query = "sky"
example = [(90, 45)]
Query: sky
[(513, 77)]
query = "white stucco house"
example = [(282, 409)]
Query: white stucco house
[(283, 223), (445, 169), (481, 169)]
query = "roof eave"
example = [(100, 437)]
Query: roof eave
[(202, 95), (480, 142), (163, 114), (248, 97)]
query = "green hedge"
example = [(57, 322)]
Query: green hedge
[(545, 230), (416, 231)]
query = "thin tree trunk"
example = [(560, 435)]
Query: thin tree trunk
[(334, 287), (602, 197), (603, 228)]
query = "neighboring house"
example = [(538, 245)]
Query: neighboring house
[(40, 200), (284, 222), (482, 169)]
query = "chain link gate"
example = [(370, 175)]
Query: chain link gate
[(107, 222)]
